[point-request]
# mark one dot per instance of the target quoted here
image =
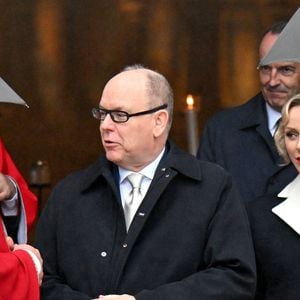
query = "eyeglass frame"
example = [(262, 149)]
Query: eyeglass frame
[(111, 112)]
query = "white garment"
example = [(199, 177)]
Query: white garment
[(10, 208), (289, 210)]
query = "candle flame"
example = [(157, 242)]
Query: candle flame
[(190, 102)]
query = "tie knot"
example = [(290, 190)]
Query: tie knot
[(135, 179)]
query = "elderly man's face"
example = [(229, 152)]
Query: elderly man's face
[(132, 144), (281, 80)]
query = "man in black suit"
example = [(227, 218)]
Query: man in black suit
[(241, 139), (186, 235)]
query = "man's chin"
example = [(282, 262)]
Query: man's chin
[(112, 156), (277, 102)]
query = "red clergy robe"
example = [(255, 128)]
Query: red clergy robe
[(18, 277), (8, 167)]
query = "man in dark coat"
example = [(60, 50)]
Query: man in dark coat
[(189, 237), (240, 139)]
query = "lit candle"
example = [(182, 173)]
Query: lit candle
[(192, 124)]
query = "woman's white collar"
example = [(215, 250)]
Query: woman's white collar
[(289, 210)]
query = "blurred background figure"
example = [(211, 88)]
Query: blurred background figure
[(240, 139)]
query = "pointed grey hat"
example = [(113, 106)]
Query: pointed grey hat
[(8, 95), (287, 46)]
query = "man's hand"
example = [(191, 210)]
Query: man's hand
[(7, 188), (10, 243), (117, 297)]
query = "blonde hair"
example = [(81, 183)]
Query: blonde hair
[(280, 133)]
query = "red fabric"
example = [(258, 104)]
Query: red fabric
[(3, 244), (18, 277), (8, 167)]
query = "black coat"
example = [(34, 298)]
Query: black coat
[(239, 140), (189, 240), (277, 248)]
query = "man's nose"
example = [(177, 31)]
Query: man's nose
[(274, 78), (107, 122)]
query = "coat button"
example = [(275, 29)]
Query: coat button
[(103, 254), (124, 245)]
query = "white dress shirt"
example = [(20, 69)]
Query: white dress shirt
[(147, 172)]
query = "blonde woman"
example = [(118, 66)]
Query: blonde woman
[(275, 219)]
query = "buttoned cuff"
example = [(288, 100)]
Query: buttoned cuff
[(10, 206)]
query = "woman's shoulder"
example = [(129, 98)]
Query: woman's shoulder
[(260, 209), (267, 201)]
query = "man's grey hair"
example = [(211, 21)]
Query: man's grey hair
[(158, 89)]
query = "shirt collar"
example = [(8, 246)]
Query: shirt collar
[(148, 171), (273, 117)]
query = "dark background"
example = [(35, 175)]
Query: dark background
[(58, 55)]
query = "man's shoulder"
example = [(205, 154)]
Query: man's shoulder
[(188, 164), (78, 178), (238, 113)]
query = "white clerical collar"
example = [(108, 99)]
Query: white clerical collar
[(289, 210), (148, 171), (273, 117)]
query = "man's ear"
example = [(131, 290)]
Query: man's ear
[(160, 122)]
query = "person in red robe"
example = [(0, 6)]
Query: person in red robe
[(18, 205), (20, 270), (19, 222)]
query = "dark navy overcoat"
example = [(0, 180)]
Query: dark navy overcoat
[(190, 238)]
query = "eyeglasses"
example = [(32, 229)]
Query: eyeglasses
[(120, 116)]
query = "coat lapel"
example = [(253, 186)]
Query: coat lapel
[(170, 165), (257, 120), (289, 209)]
